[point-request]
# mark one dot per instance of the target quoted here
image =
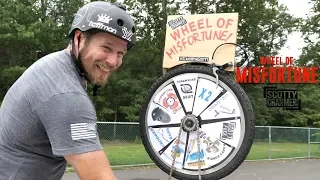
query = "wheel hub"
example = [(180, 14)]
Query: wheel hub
[(189, 123)]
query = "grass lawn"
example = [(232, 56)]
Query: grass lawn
[(122, 153), (126, 153), (282, 150)]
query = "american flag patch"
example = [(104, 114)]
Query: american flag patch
[(83, 131)]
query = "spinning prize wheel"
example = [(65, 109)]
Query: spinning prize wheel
[(197, 122)]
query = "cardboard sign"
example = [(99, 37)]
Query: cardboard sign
[(194, 38)]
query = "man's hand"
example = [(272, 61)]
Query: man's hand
[(91, 166)]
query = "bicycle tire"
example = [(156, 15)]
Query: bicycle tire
[(236, 152)]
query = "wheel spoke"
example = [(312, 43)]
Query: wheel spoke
[(186, 86), (226, 106), (166, 147), (206, 95), (167, 98), (214, 100), (191, 152), (229, 145), (227, 130), (185, 149), (165, 125), (179, 97), (211, 121)]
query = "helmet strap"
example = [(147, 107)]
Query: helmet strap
[(79, 66), (78, 61)]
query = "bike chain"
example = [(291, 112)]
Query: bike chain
[(198, 141), (175, 151)]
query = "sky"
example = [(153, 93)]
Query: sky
[(295, 42)]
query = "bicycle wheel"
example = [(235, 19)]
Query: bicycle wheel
[(224, 115)]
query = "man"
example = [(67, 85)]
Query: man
[(47, 118)]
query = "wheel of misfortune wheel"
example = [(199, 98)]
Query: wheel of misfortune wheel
[(225, 117)]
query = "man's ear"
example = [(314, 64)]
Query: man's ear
[(76, 39), (77, 33)]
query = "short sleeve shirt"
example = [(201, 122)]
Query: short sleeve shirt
[(46, 115)]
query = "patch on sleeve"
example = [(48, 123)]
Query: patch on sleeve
[(83, 131)]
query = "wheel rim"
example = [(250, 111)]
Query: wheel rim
[(195, 99)]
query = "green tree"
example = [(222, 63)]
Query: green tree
[(309, 116)]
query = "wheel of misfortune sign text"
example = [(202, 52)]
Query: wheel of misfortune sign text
[(224, 114)]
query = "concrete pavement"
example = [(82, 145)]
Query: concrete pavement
[(267, 170)]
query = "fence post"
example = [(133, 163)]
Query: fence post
[(114, 130), (269, 142), (309, 143)]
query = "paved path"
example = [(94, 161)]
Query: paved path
[(269, 170)]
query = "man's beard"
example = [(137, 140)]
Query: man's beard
[(93, 79)]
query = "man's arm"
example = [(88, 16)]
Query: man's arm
[(91, 165), (69, 120)]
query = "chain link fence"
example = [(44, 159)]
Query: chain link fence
[(122, 143), (276, 142)]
